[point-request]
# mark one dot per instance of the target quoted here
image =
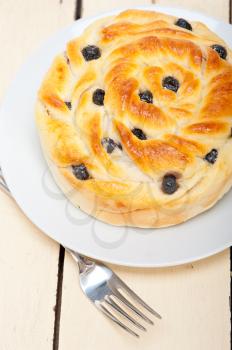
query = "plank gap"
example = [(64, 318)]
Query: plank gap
[(60, 274), (230, 11), (230, 301), (78, 10), (57, 308)]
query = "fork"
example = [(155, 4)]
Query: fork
[(107, 291)]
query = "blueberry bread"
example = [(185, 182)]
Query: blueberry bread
[(135, 119)]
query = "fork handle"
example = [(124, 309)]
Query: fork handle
[(3, 184), (83, 262)]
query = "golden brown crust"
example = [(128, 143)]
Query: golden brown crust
[(138, 49)]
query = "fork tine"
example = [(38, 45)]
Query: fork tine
[(132, 307), (114, 319), (138, 299), (116, 307)]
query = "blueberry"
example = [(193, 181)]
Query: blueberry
[(220, 50), (139, 133), (211, 157), (91, 52), (146, 96), (80, 171), (171, 83), (98, 97), (181, 22), (169, 184), (110, 144), (69, 105)]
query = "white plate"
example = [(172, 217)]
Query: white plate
[(35, 192)]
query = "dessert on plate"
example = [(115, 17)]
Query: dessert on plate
[(135, 119)]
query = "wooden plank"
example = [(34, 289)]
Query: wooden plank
[(28, 268), (28, 259), (218, 9), (90, 9), (208, 7), (193, 299)]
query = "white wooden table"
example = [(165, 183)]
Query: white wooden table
[(41, 305)]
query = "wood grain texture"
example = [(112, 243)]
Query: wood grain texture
[(193, 299), (28, 259)]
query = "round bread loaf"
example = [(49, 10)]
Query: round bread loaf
[(135, 119)]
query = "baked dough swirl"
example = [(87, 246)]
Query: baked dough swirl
[(135, 119)]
